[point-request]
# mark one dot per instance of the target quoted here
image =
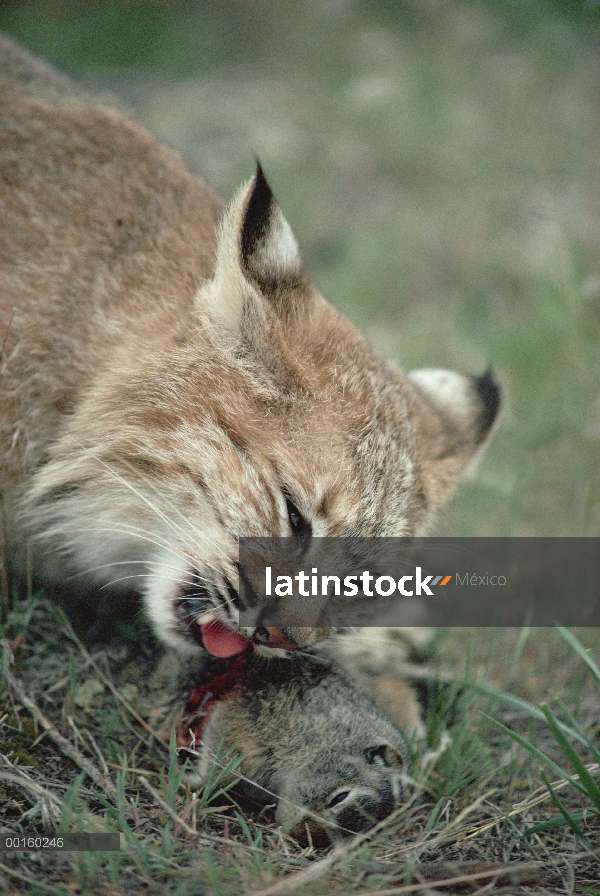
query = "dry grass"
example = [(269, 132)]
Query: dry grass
[(81, 751)]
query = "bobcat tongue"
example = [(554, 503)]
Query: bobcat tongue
[(222, 641)]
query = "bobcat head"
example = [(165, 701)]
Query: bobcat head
[(258, 411)]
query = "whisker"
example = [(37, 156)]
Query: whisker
[(177, 529), (141, 576), (225, 596), (185, 534), (135, 533), (121, 579), (91, 569), (151, 485)]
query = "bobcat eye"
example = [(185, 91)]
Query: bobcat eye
[(300, 527), (338, 798)]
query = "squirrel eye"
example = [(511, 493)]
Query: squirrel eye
[(338, 798), (300, 527)]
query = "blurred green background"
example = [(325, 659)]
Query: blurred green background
[(440, 165)]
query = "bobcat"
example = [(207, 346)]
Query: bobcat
[(171, 379), (309, 745)]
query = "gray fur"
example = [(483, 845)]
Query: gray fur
[(313, 745)]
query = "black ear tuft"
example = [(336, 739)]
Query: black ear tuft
[(488, 391), (257, 215)]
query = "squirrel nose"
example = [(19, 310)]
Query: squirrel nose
[(270, 636)]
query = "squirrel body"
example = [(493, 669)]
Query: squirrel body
[(311, 744)]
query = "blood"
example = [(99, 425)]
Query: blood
[(204, 697)]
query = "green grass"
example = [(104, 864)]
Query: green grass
[(578, 749)]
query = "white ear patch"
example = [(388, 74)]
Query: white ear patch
[(449, 391), (277, 252)]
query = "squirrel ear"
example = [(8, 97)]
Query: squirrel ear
[(384, 755), (268, 249)]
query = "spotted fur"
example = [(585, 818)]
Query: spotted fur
[(171, 379)]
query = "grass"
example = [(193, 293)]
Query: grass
[(576, 746), (510, 802), (438, 163)]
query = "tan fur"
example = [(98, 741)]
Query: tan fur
[(398, 700), (165, 382)]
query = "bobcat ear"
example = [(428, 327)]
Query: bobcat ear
[(268, 250), (255, 246), (455, 415)]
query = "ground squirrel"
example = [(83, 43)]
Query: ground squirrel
[(314, 747)]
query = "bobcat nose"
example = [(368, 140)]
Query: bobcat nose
[(270, 636)]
